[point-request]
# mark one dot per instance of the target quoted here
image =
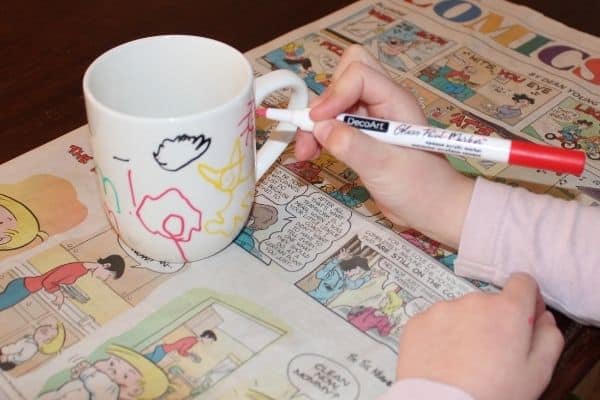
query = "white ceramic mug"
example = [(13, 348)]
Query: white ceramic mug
[(173, 139)]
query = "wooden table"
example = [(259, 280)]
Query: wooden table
[(46, 46)]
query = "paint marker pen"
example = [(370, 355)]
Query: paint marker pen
[(513, 152)]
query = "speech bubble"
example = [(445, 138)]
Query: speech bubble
[(563, 114), (281, 187), (318, 377), (413, 270), (151, 264), (316, 222)]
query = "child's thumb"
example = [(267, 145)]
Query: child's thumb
[(359, 151)]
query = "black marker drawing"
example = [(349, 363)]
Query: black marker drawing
[(174, 154), (120, 159)]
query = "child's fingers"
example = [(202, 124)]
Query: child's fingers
[(306, 147), (362, 83), (342, 141), (522, 290), (546, 346)]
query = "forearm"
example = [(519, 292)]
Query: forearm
[(512, 230), (443, 208)]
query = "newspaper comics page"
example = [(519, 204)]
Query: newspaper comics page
[(317, 261)]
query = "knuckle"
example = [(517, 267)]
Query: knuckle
[(356, 68), (340, 142)]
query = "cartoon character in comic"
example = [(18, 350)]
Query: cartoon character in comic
[(421, 241), (455, 81), (325, 160), (438, 112), (18, 225), (290, 56), (46, 339), (306, 170), (569, 135), (509, 111), (262, 216), (591, 146), (53, 280), (381, 318), (294, 55), (124, 375), (446, 259), (394, 42), (349, 175), (458, 80), (351, 194), (342, 272), (182, 347)]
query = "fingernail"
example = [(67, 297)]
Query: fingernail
[(322, 130)]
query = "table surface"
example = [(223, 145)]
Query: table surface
[(46, 46)]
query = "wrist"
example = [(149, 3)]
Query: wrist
[(449, 203)]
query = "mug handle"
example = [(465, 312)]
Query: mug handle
[(285, 132)]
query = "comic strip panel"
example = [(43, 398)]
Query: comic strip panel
[(181, 351), (306, 376), (63, 294), (405, 45), (34, 209), (367, 23), (313, 57), (334, 178), (486, 86), (570, 125), (376, 283)]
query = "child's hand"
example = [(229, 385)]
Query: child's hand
[(492, 346), (344, 254), (412, 188)]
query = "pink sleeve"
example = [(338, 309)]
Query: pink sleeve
[(423, 389), (556, 241)]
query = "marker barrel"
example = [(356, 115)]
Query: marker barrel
[(546, 157), (438, 140)]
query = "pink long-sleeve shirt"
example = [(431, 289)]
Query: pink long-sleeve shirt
[(510, 230)]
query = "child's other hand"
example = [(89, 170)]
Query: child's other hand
[(412, 188), (492, 346)]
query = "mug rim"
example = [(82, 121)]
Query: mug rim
[(89, 95)]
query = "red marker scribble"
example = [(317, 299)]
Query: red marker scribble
[(247, 123), (111, 217), (178, 225), (131, 191)]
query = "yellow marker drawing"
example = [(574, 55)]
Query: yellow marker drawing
[(227, 179)]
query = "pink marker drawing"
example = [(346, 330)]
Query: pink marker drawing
[(178, 225), (247, 122)]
